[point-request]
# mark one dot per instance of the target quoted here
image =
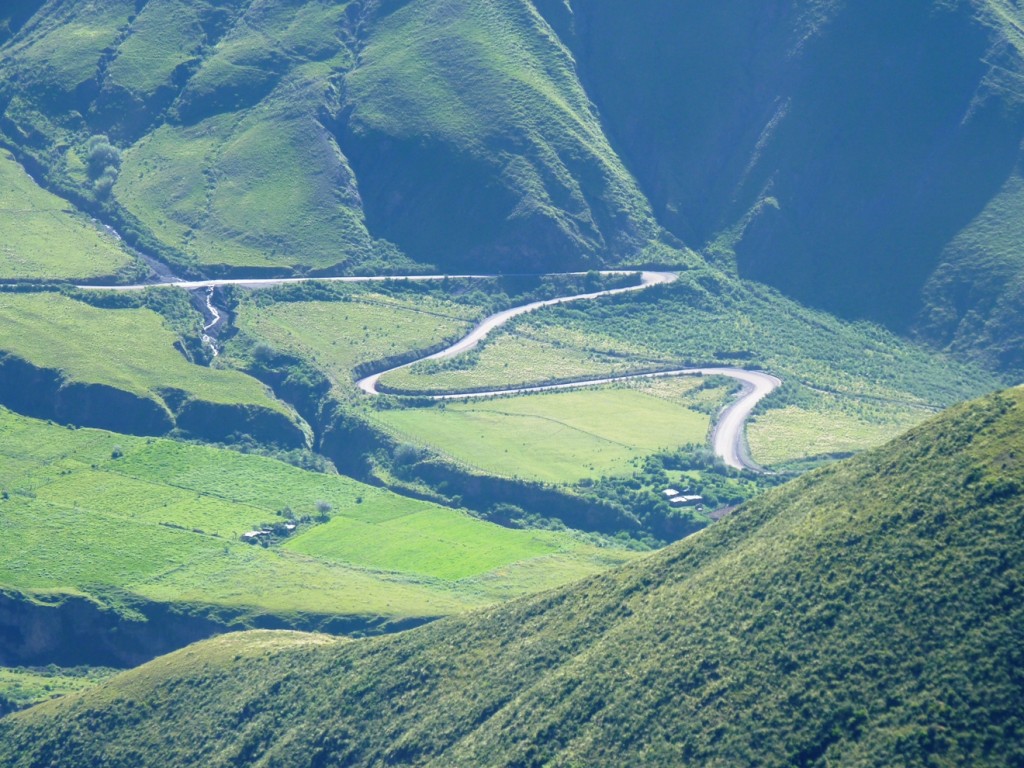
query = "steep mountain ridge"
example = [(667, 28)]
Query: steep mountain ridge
[(869, 613), (847, 144)]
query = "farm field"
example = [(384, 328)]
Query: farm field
[(337, 336), (558, 437), (106, 515), (43, 238)]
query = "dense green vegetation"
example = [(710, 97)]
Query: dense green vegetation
[(115, 518), (868, 613), (21, 687)]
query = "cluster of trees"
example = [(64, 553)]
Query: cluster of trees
[(103, 163), (642, 493)]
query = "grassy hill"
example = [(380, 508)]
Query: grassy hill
[(278, 136), (847, 186), (868, 613), (273, 135)]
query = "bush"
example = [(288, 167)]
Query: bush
[(103, 158)]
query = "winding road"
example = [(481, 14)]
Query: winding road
[(728, 438)]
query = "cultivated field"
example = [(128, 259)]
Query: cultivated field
[(92, 512), (557, 437)]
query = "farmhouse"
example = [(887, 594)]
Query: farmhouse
[(670, 492)]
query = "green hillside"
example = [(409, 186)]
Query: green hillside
[(869, 613), (255, 136), (44, 238), (843, 145), (271, 135)]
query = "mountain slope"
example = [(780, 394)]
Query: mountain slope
[(850, 142), (861, 157), (266, 134), (869, 613)]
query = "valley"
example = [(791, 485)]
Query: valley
[(367, 368)]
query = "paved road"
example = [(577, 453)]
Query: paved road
[(728, 439), (265, 282)]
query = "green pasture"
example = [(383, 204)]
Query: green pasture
[(462, 547), (163, 521), (128, 349), (557, 437), (522, 357), (252, 178), (42, 237), (336, 336), (61, 52)]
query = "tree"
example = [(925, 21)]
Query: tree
[(323, 509)]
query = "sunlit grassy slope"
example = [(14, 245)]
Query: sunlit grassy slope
[(96, 513), (868, 613), (128, 349), (520, 118), (122, 369), (44, 238), (337, 336), (559, 437), (278, 135)]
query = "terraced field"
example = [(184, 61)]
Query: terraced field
[(96, 513)]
